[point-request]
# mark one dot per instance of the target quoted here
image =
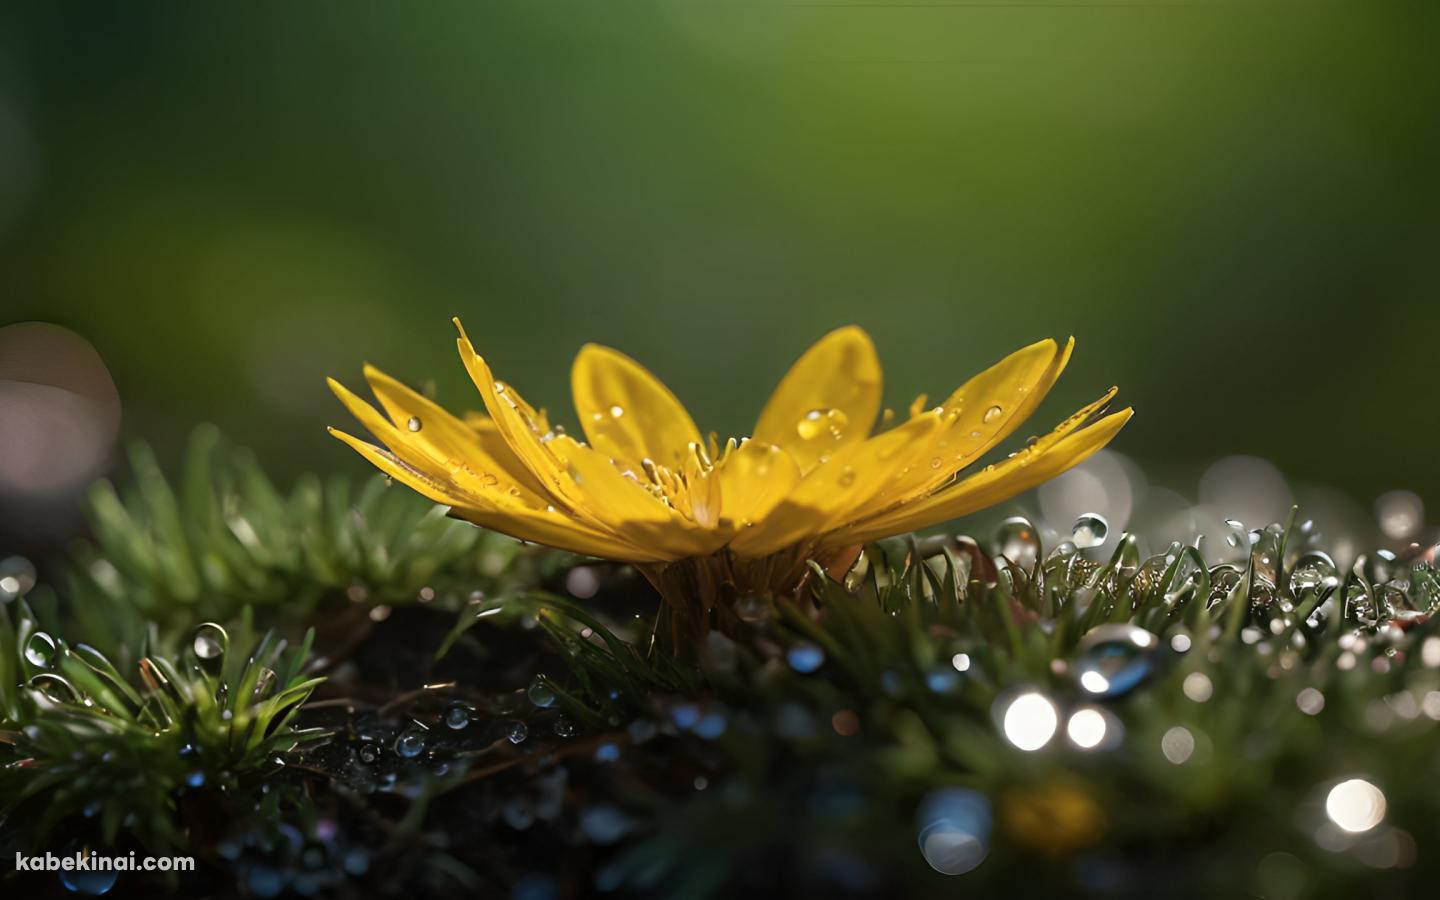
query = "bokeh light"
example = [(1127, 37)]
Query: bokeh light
[(1355, 805), (1030, 721)]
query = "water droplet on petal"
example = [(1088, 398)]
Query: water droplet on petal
[(517, 732), (809, 427), (992, 414), (1090, 530), (617, 411), (414, 424)]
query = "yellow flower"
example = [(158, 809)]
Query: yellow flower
[(702, 519)]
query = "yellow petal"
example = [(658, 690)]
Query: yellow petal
[(519, 424), (542, 525), (828, 399), (832, 493), (1002, 481), (464, 479), (753, 479), (445, 436), (627, 413), (979, 414), (555, 530)]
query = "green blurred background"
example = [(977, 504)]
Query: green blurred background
[(1232, 206)]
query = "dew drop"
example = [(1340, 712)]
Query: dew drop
[(617, 411), (517, 732), (457, 716), (410, 743), (264, 683), (1018, 541), (209, 641), (811, 425), (1090, 530), (414, 424), (88, 882), (55, 688), (1311, 571), (992, 414), (541, 693), (1379, 567), (1114, 659), (40, 650)]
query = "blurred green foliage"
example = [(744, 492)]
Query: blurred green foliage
[(1232, 205)]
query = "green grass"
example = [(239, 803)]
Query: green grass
[(502, 733)]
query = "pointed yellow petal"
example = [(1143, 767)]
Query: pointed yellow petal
[(555, 530), (464, 479), (519, 424), (980, 414), (408, 475), (446, 437), (828, 399), (627, 413), (832, 493), (544, 525), (997, 483)]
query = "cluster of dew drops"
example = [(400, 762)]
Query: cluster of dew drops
[(1381, 591)]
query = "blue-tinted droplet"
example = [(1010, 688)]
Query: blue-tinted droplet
[(1114, 659), (410, 744), (457, 716), (89, 883), (540, 693), (805, 657)]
